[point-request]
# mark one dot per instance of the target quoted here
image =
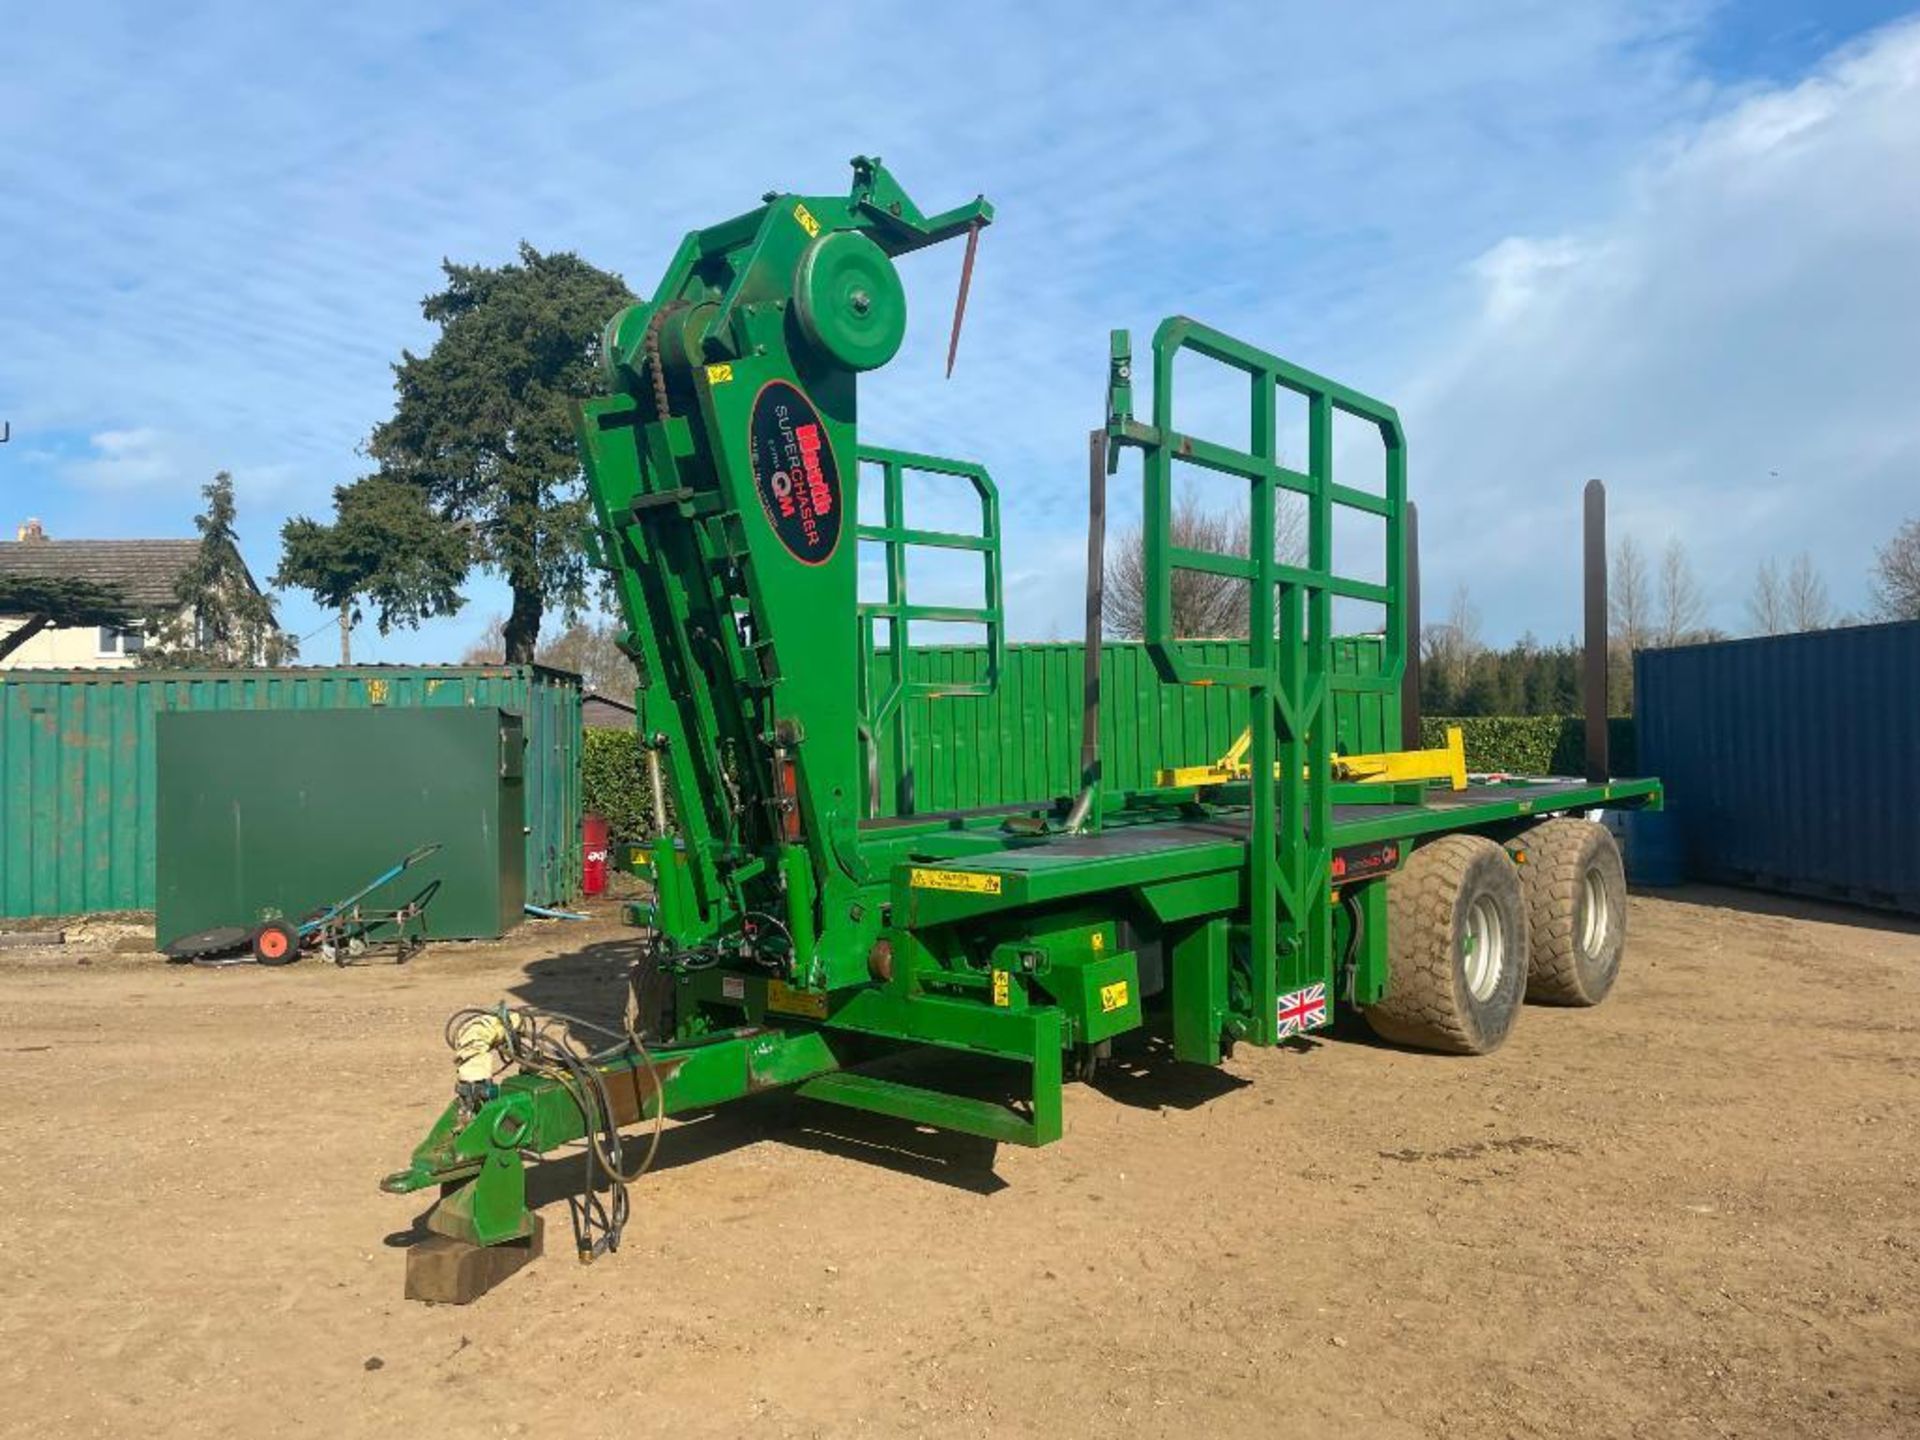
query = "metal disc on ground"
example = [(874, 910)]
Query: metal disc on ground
[(209, 942), (849, 300)]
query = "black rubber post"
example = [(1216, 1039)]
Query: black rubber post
[(1096, 602), (1410, 677), (1593, 681)]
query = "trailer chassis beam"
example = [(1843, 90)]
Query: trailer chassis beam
[(479, 1160)]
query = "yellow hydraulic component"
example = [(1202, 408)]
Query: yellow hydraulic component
[(1387, 768), (1228, 768), (474, 1044), (1449, 763)]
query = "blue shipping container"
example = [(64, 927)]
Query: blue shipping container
[(1792, 762)]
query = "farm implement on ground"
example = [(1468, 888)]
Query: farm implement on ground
[(810, 928), (343, 931)]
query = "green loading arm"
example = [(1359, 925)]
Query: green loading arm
[(723, 473)]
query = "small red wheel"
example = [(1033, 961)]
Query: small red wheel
[(276, 943)]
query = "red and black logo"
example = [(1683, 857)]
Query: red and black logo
[(1357, 862), (795, 473)]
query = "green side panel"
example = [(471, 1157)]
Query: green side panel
[(1022, 742), (1365, 722), (283, 812), (78, 766)]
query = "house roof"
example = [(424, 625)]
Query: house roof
[(603, 712), (145, 571)]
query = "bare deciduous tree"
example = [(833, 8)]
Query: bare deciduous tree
[(1449, 647), (1629, 597), (587, 648), (1630, 616), (1767, 606), (1896, 575), (1683, 609), (1785, 605), (1807, 605), (1204, 606), (489, 645)]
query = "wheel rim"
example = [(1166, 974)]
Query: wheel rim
[(1484, 948), (273, 944), (1596, 917)]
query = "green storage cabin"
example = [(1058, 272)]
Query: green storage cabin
[(275, 815), (79, 775)]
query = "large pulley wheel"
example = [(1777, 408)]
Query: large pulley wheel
[(849, 300)]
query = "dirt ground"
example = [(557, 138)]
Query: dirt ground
[(1691, 1212)]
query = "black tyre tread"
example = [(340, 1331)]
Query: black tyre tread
[(1424, 1005), (293, 943), (1558, 852)]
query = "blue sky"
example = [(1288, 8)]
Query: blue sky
[(1670, 244)]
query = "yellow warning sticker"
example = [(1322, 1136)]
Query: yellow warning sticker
[(1099, 941), (1001, 990), (968, 881), (783, 997), (1113, 997), (719, 374), (805, 217)]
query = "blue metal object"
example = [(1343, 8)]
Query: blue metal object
[(1792, 761), (335, 911), (1652, 846)]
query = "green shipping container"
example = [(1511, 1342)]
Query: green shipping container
[(274, 815), (78, 769), (1022, 743)]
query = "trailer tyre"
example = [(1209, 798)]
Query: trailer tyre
[(1456, 949), (1576, 891)]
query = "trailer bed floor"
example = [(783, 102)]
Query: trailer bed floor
[(1352, 825)]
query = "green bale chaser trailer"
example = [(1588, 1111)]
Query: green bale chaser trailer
[(810, 929)]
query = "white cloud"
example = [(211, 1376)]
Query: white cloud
[(1733, 349), (136, 459), (230, 252), (145, 463), (1517, 270)]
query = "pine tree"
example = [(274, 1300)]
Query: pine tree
[(222, 618)]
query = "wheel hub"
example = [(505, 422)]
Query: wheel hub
[(1484, 948), (1596, 916)]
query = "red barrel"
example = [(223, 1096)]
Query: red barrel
[(593, 866)]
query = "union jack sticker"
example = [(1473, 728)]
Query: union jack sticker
[(1303, 1010)]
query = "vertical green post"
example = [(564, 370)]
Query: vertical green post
[(1289, 666)]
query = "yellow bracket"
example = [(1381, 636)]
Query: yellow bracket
[(1449, 763), (1388, 768)]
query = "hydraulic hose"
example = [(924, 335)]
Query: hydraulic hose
[(526, 1037)]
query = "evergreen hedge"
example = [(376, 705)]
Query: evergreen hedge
[(613, 783), (1531, 744)]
